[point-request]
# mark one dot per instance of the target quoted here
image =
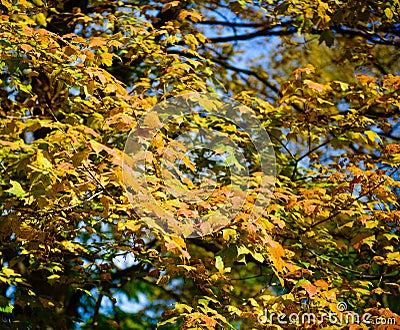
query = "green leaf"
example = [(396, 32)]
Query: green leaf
[(328, 37), (6, 309)]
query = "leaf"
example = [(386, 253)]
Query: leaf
[(311, 289), (97, 41), (186, 160), (163, 280), (343, 86), (7, 309), (183, 307), (379, 291), (40, 19), (308, 69), (373, 136), (113, 323), (170, 320), (53, 277), (191, 40), (390, 236), (9, 272), (219, 264), (170, 5), (38, 3), (258, 256), (16, 189), (242, 250), (314, 85), (233, 310), (193, 15), (42, 161), (366, 80), (210, 322), (151, 120), (389, 13), (26, 48), (115, 154), (115, 43), (228, 233), (321, 284), (328, 37), (107, 59), (133, 226)]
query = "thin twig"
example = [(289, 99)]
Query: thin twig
[(95, 322)]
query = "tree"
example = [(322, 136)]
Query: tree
[(322, 77)]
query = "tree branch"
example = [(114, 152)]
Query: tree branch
[(232, 24), (358, 273), (260, 33), (249, 73), (291, 29)]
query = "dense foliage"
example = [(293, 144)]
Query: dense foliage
[(322, 76)]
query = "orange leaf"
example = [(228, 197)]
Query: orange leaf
[(314, 85), (310, 288), (96, 41), (170, 5), (366, 80), (322, 284), (308, 69), (210, 322), (26, 48)]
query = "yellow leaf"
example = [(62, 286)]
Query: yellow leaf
[(372, 136), (9, 272), (258, 256), (73, 247), (40, 19), (53, 277), (190, 40), (106, 58), (388, 13), (42, 161), (132, 226), (188, 163), (242, 250), (38, 3), (16, 189)]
